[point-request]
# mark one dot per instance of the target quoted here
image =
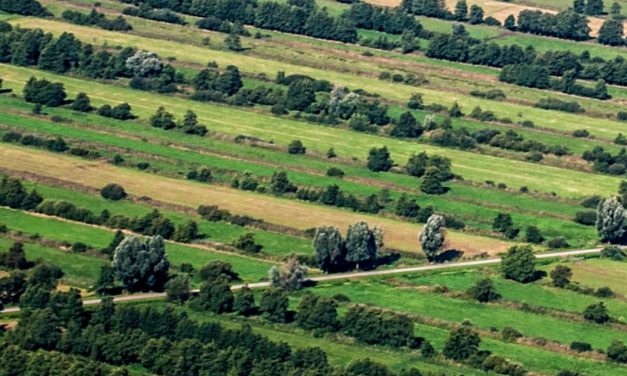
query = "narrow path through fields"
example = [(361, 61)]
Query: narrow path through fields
[(333, 277)]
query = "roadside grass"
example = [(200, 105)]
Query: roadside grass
[(472, 166), (540, 293)]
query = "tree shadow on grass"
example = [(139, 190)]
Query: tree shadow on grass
[(448, 256)]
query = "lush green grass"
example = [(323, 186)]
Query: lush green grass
[(471, 166), (334, 69), (435, 306), (79, 270), (601, 272), (274, 243), (478, 213), (53, 229), (540, 294)]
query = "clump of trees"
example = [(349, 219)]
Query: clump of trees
[(44, 92), (189, 124), (361, 249), (24, 7), (95, 18), (605, 162), (288, 276)]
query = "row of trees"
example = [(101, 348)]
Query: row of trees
[(95, 18), (361, 249)]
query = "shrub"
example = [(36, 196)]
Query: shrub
[(113, 192), (484, 291), (335, 172), (581, 133), (613, 252), (296, 147), (556, 104), (247, 243), (604, 292), (559, 242), (510, 334), (580, 346), (596, 313), (586, 218)]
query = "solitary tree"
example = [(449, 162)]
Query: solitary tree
[(432, 182), (519, 264), (610, 220), (611, 32), (141, 263), (476, 15), (177, 289), (432, 236), (81, 103)]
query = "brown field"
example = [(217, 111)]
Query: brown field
[(499, 10), (295, 214)]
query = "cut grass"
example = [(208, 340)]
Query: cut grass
[(285, 212), (601, 272), (268, 65), (475, 206), (78, 270), (425, 304), (235, 121)]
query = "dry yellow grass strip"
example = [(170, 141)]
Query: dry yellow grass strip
[(499, 10), (399, 235)]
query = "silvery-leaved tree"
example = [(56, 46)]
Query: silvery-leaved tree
[(610, 220), (289, 276), (330, 250), (141, 263), (144, 64), (432, 236)]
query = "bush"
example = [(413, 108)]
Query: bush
[(247, 244), (559, 242), (113, 192), (510, 334), (484, 291), (44, 92), (586, 218), (581, 133), (613, 252), (604, 292), (335, 172), (580, 346), (556, 104), (296, 147), (596, 313)]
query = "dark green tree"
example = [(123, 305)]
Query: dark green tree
[(461, 11), (597, 313), (484, 291), (594, 7), (141, 263), (533, 235), (215, 295), (561, 276), (178, 288), (300, 94), (162, 119), (329, 248), (461, 344), (519, 264), (379, 159), (406, 126), (244, 303), (432, 182), (44, 92), (476, 15), (611, 32), (15, 258), (273, 305), (81, 103), (317, 313), (280, 184)]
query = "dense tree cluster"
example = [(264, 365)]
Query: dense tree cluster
[(294, 17), (14, 195), (163, 15), (95, 18), (566, 24), (24, 7), (53, 144), (361, 248), (375, 326), (189, 125), (529, 68), (388, 20), (604, 161)]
